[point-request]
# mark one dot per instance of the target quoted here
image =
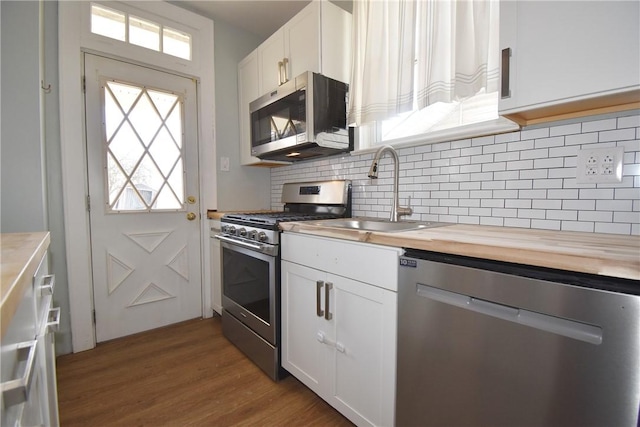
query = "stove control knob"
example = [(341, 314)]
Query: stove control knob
[(262, 236), (231, 230), (253, 234), (242, 232)]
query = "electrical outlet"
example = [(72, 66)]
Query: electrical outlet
[(599, 165)]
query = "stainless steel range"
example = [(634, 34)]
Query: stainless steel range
[(251, 266)]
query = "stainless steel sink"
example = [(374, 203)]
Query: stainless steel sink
[(381, 225)]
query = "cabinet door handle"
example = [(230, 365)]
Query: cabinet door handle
[(285, 62), (48, 284), (319, 311), (505, 92), (327, 288), (280, 73), (53, 322), (17, 391)]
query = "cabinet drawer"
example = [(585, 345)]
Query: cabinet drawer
[(365, 262)]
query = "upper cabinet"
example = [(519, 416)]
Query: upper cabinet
[(567, 59), (317, 39)]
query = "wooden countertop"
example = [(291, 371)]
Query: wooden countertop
[(20, 256), (593, 253), (219, 214)]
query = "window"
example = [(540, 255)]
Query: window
[(141, 32), (432, 75)]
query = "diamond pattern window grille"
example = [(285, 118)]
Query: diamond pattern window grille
[(144, 148)]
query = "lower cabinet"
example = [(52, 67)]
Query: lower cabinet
[(28, 376), (339, 333)]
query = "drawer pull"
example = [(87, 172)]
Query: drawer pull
[(505, 90), (48, 284), (53, 321), (17, 391), (327, 313), (319, 311)]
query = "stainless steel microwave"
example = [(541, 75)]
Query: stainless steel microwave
[(302, 119)]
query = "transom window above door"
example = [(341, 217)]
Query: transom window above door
[(127, 28), (144, 149)]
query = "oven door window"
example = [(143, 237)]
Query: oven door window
[(281, 119), (248, 280)]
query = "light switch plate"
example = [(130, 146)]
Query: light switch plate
[(599, 165), (224, 164)]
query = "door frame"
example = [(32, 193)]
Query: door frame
[(73, 40)]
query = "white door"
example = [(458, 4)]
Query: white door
[(142, 151)]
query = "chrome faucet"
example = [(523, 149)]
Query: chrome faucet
[(396, 210)]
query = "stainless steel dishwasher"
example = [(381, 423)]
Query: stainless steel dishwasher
[(484, 343)]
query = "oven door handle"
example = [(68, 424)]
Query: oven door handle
[(239, 243)]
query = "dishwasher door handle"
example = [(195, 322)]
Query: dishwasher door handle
[(591, 334)]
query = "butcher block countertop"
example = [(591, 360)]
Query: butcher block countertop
[(592, 253), (219, 214), (21, 254)]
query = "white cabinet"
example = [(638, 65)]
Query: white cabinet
[(317, 39), (291, 50), (578, 57), (28, 375), (339, 309)]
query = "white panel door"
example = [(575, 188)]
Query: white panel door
[(144, 197)]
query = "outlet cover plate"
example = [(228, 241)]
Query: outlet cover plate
[(599, 165)]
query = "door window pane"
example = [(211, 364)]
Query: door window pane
[(144, 156), (144, 33), (108, 22), (176, 43)]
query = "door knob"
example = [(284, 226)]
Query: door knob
[(191, 216)]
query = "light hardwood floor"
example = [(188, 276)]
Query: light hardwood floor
[(184, 374)]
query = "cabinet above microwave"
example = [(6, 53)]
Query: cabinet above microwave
[(317, 39)]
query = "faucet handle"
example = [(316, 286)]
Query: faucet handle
[(405, 210)]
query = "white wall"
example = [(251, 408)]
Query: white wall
[(519, 179), (242, 187), (23, 186)]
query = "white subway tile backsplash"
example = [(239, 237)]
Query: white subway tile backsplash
[(597, 125), (520, 184), (588, 193), (584, 226), (499, 222), (545, 224), (565, 129), (534, 133), (613, 228), (581, 138), (557, 141), (517, 222), (614, 205), (595, 216), (628, 122), (517, 179), (541, 153), (631, 169)]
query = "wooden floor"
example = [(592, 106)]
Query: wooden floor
[(184, 374)]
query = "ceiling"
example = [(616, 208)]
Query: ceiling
[(260, 17)]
